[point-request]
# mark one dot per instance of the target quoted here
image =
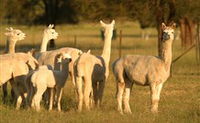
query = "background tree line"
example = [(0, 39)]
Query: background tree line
[(186, 13)]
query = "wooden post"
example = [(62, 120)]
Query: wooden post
[(198, 45), (120, 43), (75, 40)]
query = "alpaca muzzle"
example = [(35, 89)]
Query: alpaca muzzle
[(166, 36)]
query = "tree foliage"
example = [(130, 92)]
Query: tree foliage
[(73, 11)]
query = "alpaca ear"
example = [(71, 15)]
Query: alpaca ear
[(163, 26), (50, 26), (59, 55), (113, 22), (88, 51), (9, 29), (174, 25), (7, 34), (102, 23), (80, 53)]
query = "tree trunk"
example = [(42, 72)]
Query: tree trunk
[(187, 28), (50, 12)]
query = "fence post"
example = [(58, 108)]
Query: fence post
[(120, 43), (75, 40)]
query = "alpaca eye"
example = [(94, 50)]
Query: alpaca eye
[(52, 32), (18, 33)]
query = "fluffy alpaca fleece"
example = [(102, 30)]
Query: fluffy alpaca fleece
[(13, 36), (44, 78), (48, 58), (13, 68), (93, 71), (150, 71)]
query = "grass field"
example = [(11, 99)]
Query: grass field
[(180, 97)]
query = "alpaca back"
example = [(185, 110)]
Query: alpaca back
[(144, 69)]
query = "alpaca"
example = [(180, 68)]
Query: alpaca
[(47, 57), (13, 35), (44, 78), (15, 72), (94, 71), (150, 71), (48, 34)]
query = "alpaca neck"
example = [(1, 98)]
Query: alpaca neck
[(107, 49), (166, 54), (43, 47), (11, 45), (64, 69)]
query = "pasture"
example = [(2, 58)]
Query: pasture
[(180, 97)]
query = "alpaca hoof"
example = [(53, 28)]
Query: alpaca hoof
[(17, 108), (155, 111), (121, 112), (127, 111), (79, 110)]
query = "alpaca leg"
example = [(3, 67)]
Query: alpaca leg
[(72, 77), (5, 92), (94, 87), (87, 91), (127, 108), (17, 93), (155, 95), (19, 101), (12, 95), (32, 97), (120, 88), (128, 87), (80, 92), (100, 92), (38, 96), (73, 82), (59, 96), (91, 99), (51, 99)]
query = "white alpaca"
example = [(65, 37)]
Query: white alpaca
[(44, 78), (150, 71), (48, 34), (94, 71), (13, 35)]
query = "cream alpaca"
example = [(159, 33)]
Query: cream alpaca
[(13, 35), (144, 70), (44, 78), (47, 57), (15, 72), (94, 71)]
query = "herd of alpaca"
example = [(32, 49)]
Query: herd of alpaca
[(35, 74)]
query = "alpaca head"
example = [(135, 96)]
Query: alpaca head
[(64, 58), (168, 31), (108, 28), (15, 34), (50, 33)]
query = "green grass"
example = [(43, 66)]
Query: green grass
[(180, 97)]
